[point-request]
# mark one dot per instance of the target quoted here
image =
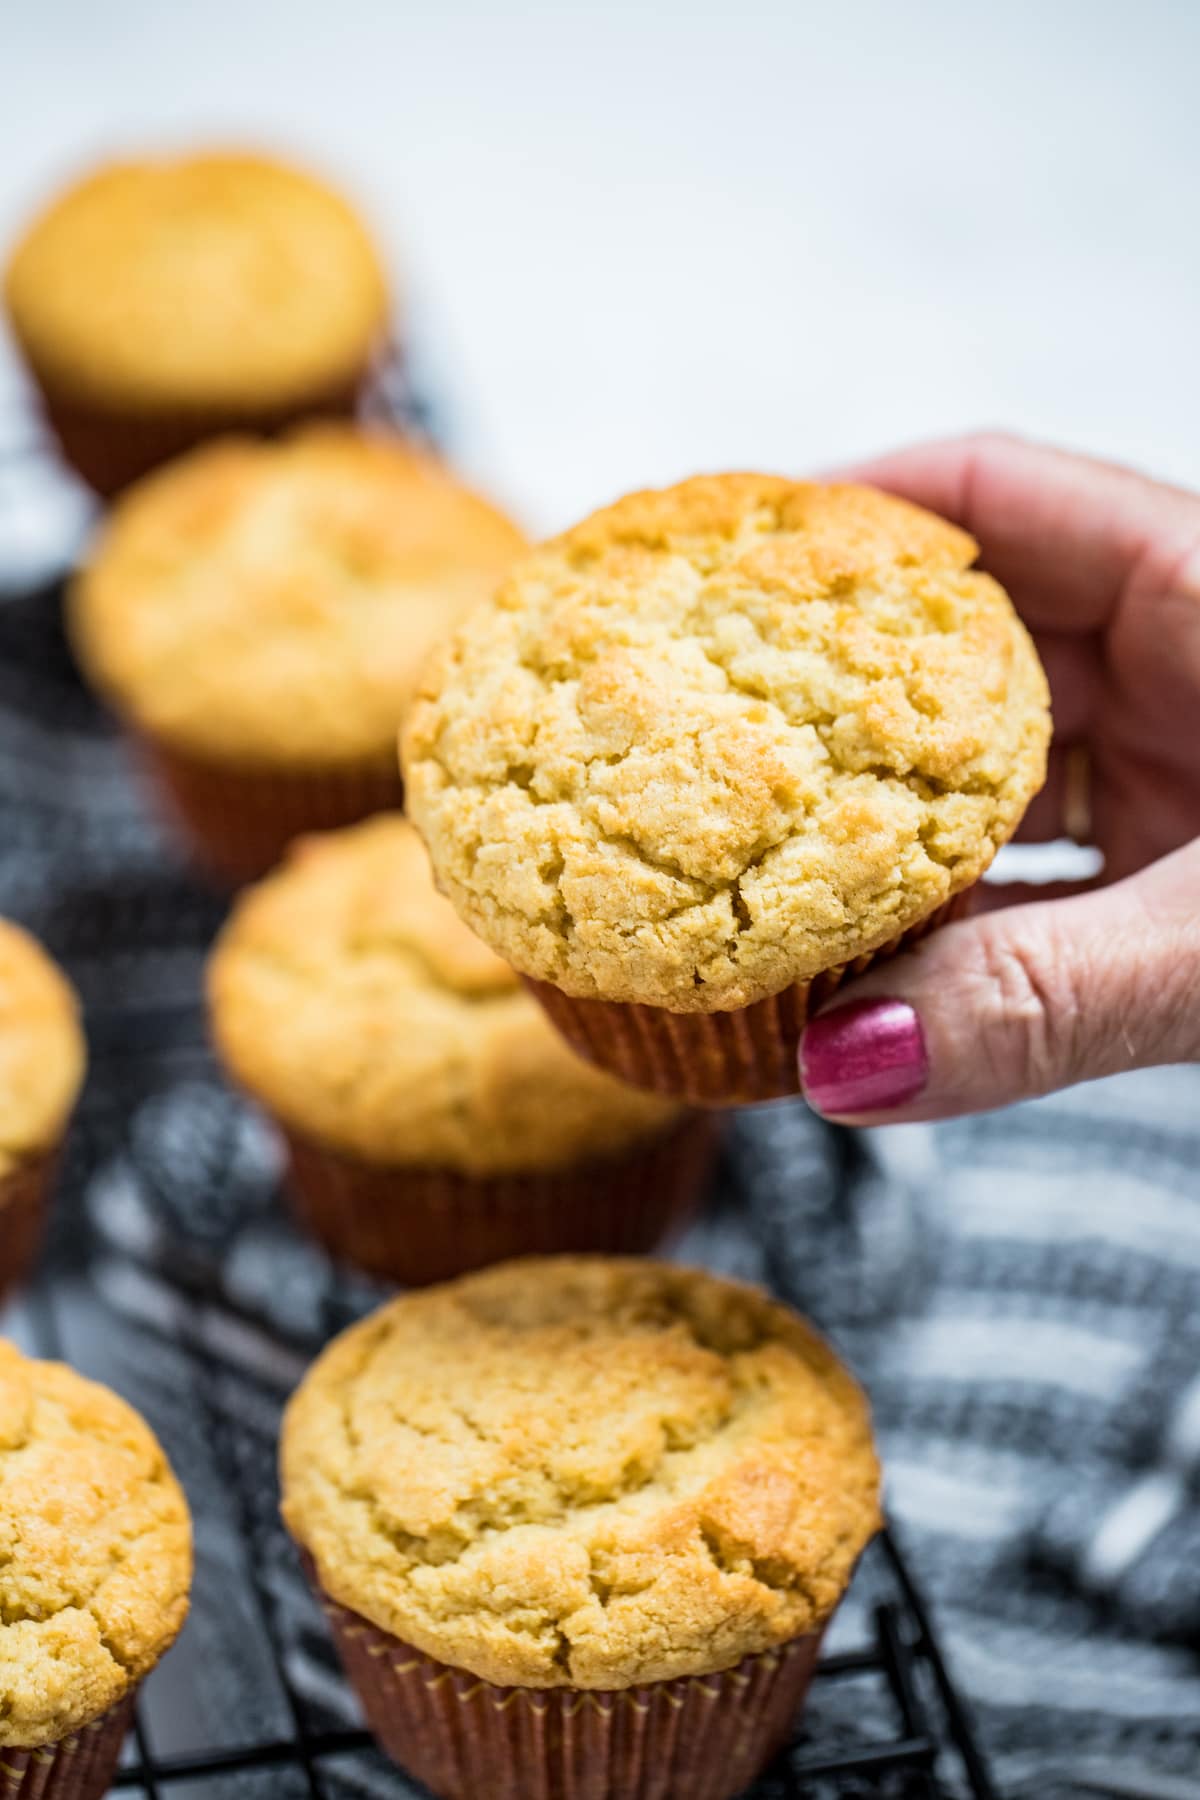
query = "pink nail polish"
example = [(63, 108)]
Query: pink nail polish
[(863, 1058)]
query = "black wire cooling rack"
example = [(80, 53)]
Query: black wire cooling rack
[(173, 1273)]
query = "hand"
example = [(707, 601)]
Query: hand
[(1104, 567)]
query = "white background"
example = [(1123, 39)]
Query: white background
[(644, 239)]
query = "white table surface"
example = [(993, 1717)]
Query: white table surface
[(640, 240)]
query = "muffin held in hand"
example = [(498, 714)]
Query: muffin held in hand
[(716, 748), (258, 614), (435, 1121), (95, 1571), (162, 302), (42, 1059), (580, 1525)]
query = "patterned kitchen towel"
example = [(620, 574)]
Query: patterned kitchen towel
[(1023, 1303)]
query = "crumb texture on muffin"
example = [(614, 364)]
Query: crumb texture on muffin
[(720, 738), (271, 604), (221, 282), (350, 999), (583, 1472), (95, 1550), (41, 1049)]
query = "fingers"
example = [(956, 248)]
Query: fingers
[(1065, 534), (1017, 1004)]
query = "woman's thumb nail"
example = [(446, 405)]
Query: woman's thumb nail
[(866, 1057)]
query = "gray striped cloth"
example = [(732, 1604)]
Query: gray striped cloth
[(1021, 1294)]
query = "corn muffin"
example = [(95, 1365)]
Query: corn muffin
[(95, 1571), (435, 1120), (258, 614), (705, 753), (160, 302), (42, 1058), (568, 1497)]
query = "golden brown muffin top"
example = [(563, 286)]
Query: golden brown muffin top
[(95, 1550), (720, 738), (222, 281), (42, 1051), (271, 603), (582, 1472), (347, 996)]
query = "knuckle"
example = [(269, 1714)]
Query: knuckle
[(1029, 1017)]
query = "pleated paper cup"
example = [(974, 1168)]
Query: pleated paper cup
[(415, 1224), (81, 1767), (238, 822), (110, 449), (703, 1737), (24, 1197), (718, 1058)]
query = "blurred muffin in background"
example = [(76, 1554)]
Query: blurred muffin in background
[(161, 302), (434, 1118), (42, 1058), (258, 613), (95, 1575)]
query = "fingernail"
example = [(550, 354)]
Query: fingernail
[(865, 1057)]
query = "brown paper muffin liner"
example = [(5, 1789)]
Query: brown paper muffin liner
[(109, 450), (718, 1058), (24, 1192), (239, 822), (418, 1224), (81, 1767), (702, 1737)]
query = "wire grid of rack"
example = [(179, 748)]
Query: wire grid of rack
[(173, 1272)]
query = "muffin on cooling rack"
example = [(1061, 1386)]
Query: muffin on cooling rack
[(162, 301), (95, 1571), (435, 1120), (580, 1524), (42, 1059), (714, 749), (258, 614)]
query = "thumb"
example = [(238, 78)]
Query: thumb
[(1017, 1003)]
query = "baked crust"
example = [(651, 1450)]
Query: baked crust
[(217, 283), (42, 1051), (270, 604), (718, 739), (95, 1551), (582, 1472)]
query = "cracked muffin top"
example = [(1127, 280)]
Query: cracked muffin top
[(350, 999), (582, 1472), (42, 1050), (271, 603), (95, 1551), (217, 282), (720, 738)]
